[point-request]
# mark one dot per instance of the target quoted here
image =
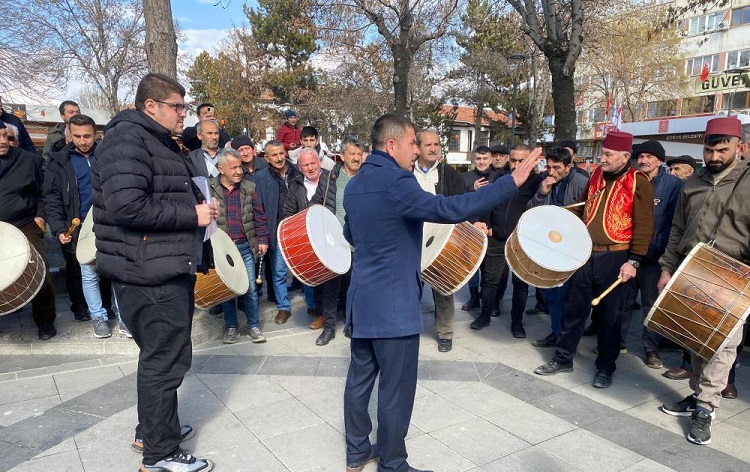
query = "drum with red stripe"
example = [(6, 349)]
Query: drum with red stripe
[(313, 245)]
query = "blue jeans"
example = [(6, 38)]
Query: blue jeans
[(556, 298), (251, 296), (278, 271), (91, 292), (309, 296)]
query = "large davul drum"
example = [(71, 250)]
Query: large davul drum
[(705, 302), (227, 279), (22, 272), (548, 246), (451, 254), (313, 245), (86, 246)]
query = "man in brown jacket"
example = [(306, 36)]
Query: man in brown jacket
[(697, 219)]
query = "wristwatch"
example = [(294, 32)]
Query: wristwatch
[(635, 264)]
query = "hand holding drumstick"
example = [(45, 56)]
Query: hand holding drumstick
[(67, 237)]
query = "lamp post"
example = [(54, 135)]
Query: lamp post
[(514, 57), (745, 80)]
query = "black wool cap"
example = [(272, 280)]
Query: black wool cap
[(569, 144), (651, 147)]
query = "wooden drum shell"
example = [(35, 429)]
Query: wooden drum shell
[(705, 302), (22, 285), (457, 260)]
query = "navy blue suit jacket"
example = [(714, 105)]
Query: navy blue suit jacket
[(385, 209)]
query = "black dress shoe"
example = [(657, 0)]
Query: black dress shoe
[(549, 341), (471, 304), (602, 379), (535, 311), (47, 332), (553, 367), (480, 322), (590, 330), (517, 330), (326, 336), (445, 345), (81, 314), (496, 313)]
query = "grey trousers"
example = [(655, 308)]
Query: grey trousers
[(710, 378), (445, 313)]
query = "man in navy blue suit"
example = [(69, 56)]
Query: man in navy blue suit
[(385, 209)]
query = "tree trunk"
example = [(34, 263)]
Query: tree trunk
[(563, 97), (401, 66), (161, 39)]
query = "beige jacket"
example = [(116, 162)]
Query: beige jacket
[(698, 208)]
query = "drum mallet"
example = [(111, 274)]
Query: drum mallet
[(573, 205), (598, 299), (72, 227), (259, 279)]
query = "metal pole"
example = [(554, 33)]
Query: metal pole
[(513, 118)]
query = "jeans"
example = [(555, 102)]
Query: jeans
[(278, 270), (646, 279), (309, 297), (250, 297), (92, 293), (556, 298)]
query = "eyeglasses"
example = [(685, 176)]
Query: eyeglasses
[(178, 107)]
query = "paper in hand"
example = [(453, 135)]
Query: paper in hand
[(202, 184)]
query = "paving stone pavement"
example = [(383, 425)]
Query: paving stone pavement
[(278, 406)]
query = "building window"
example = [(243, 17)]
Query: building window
[(484, 138), (454, 143), (697, 105), (694, 65), (741, 100), (597, 115), (741, 16), (662, 108), (738, 59), (705, 23)]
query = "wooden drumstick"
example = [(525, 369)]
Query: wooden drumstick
[(259, 279), (72, 227), (596, 300), (574, 205), (42, 226)]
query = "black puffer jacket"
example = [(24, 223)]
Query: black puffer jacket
[(144, 204)]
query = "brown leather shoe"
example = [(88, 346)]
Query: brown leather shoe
[(282, 316), (318, 323), (653, 360), (678, 373), (730, 392)]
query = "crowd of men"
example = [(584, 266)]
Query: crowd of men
[(141, 185)]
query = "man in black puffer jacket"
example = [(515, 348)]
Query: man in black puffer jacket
[(148, 219), (503, 222)]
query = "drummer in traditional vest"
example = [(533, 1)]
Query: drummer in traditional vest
[(711, 207), (619, 214)]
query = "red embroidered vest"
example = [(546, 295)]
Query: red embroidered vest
[(618, 208)]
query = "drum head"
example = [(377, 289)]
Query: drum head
[(228, 262), (86, 247), (327, 239), (14, 254), (434, 238), (554, 238)]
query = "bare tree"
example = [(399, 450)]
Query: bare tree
[(556, 28), (404, 26), (99, 41), (161, 38)]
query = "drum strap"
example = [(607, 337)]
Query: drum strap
[(712, 237)]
